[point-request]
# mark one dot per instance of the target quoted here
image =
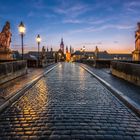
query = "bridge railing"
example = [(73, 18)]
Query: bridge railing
[(99, 63), (12, 69), (127, 70)]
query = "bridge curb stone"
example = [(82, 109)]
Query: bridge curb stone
[(126, 100)]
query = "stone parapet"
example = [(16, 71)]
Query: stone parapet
[(136, 55), (99, 63), (128, 71), (12, 70), (5, 54)]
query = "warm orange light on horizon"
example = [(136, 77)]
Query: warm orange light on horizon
[(68, 56)]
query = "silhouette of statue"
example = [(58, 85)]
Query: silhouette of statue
[(96, 52), (5, 36), (137, 36), (43, 52)]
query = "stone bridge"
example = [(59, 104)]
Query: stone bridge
[(68, 103)]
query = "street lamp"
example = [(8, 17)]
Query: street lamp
[(83, 48), (22, 29), (59, 56), (38, 40)]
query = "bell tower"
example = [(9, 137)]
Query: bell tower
[(62, 45), (66, 49)]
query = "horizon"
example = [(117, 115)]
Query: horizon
[(88, 23)]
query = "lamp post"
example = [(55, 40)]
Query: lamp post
[(59, 57), (22, 29), (38, 40), (84, 51)]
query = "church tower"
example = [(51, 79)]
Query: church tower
[(62, 45), (66, 49), (68, 55)]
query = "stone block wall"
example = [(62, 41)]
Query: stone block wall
[(102, 63), (129, 71), (11, 70), (99, 63)]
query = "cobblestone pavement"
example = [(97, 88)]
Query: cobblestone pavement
[(69, 103), (128, 89), (10, 88)]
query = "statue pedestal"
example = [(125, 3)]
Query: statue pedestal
[(5, 54), (136, 55)]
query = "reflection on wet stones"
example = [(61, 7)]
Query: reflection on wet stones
[(68, 103)]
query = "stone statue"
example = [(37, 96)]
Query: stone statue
[(5, 40), (96, 52), (43, 52), (5, 36), (43, 57), (136, 52), (137, 36)]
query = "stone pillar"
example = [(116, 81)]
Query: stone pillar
[(5, 54)]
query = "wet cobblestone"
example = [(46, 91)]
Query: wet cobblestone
[(9, 89), (69, 103)]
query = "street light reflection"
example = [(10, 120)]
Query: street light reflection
[(29, 108)]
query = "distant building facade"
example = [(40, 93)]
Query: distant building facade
[(60, 56), (45, 57), (68, 54), (78, 55)]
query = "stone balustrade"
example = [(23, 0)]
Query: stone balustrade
[(127, 70), (12, 69), (99, 63)]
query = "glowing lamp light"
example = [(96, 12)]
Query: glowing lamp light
[(21, 28), (38, 39), (83, 48)]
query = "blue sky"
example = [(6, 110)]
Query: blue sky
[(110, 25)]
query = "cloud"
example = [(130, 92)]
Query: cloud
[(71, 10), (38, 4), (132, 6), (104, 27), (90, 43), (133, 3), (49, 15), (99, 43), (44, 15), (116, 42), (91, 21), (73, 21), (31, 14), (97, 21)]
